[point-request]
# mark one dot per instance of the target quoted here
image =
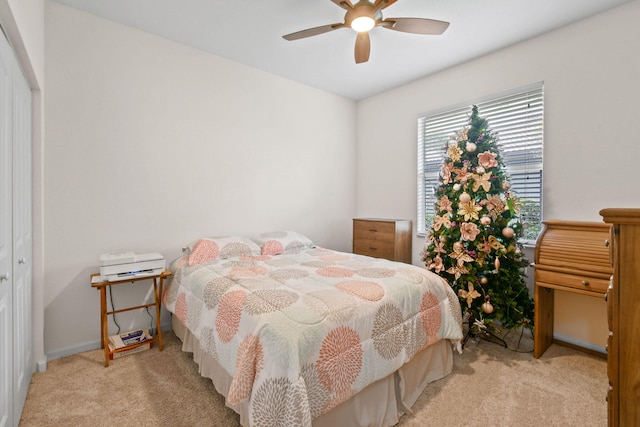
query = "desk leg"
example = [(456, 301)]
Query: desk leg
[(104, 325), (543, 324), (158, 303)]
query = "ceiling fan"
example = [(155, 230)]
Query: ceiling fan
[(363, 16)]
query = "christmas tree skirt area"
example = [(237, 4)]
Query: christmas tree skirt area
[(491, 385), (519, 339)]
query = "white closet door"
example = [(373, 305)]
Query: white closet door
[(6, 245), (22, 241), (16, 355)]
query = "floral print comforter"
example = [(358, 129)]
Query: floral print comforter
[(301, 332)]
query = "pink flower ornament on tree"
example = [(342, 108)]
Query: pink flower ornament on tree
[(469, 231), (487, 159)]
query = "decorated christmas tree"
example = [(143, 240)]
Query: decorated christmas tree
[(473, 242)]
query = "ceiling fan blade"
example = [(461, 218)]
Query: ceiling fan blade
[(313, 31), (383, 4), (345, 4), (363, 47), (415, 25)]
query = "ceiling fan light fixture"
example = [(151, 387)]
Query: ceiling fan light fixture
[(363, 23), (367, 14)]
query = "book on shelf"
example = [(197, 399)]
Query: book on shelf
[(129, 338), (115, 353)]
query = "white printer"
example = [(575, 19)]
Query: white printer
[(128, 265)]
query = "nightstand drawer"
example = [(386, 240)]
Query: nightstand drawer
[(383, 238), (374, 230), (572, 281), (374, 248)]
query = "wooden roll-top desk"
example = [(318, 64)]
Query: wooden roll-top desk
[(570, 256)]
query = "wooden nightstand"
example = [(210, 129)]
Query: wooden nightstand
[(383, 238), (104, 324)]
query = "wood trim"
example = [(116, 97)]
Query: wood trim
[(621, 216)]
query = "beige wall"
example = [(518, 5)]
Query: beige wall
[(151, 144), (125, 109), (590, 72)]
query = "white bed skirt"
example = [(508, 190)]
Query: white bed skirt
[(379, 404)]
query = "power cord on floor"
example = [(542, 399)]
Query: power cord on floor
[(113, 308), (517, 348), (152, 325)]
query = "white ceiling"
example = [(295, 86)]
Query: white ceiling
[(250, 32)]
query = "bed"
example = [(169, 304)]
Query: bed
[(297, 335)]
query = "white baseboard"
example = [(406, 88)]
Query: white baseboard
[(41, 365), (68, 351), (81, 348), (579, 343)]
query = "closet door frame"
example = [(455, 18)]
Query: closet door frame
[(6, 237)]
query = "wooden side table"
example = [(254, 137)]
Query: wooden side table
[(104, 324)]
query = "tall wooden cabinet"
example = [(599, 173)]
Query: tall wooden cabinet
[(16, 357), (623, 307)]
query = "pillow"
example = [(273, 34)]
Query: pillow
[(210, 248), (279, 242)]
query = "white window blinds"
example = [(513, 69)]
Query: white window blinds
[(517, 120)]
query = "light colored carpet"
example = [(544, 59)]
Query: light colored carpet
[(489, 386)]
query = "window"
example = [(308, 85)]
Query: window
[(517, 120)]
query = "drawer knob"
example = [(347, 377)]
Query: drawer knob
[(373, 249), (373, 230), (606, 243), (585, 283)]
